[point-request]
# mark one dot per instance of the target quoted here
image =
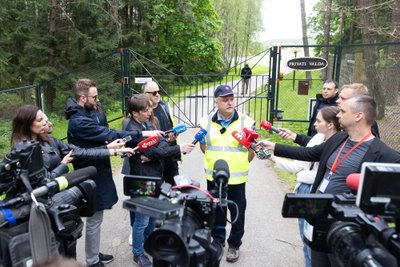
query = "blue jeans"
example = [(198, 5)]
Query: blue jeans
[(142, 227), (236, 193), (304, 189)]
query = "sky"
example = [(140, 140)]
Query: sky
[(282, 19)]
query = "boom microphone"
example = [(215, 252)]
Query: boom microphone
[(146, 143), (221, 173), (58, 184), (180, 128), (199, 136), (268, 126), (353, 181)]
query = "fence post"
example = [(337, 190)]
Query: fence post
[(38, 97), (338, 52), (274, 57), (125, 72)]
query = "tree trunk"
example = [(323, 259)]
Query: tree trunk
[(392, 81), (50, 92), (327, 30), (305, 38), (368, 22)]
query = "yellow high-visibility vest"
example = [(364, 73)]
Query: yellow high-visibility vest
[(224, 146)]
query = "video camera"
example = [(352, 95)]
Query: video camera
[(359, 229), (23, 182), (187, 214)]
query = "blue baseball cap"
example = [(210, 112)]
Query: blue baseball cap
[(223, 90)]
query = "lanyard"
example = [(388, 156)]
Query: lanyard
[(336, 163)]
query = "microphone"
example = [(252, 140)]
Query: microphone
[(180, 128), (268, 126), (251, 135), (221, 173), (353, 181), (146, 143), (58, 184), (199, 136), (242, 139)]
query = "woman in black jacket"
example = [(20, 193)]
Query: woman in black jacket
[(31, 123)]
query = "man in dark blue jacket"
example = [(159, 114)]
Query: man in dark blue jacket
[(88, 128), (328, 97)]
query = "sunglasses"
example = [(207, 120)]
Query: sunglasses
[(154, 93)]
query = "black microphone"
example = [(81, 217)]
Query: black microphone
[(58, 184), (221, 173)]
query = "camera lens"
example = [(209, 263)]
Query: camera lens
[(168, 243), (346, 241)]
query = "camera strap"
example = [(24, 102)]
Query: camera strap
[(40, 237)]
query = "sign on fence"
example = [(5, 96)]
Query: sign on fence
[(307, 63)]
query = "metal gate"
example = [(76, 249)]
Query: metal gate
[(191, 96)]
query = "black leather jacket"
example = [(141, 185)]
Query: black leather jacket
[(54, 152)]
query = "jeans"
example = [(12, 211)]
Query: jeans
[(142, 227), (236, 193), (304, 189)]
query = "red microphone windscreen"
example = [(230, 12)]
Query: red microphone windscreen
[(266, 125), (250, 135), (241, 139), (147, 143), (353, 181)]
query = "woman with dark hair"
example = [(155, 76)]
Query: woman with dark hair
[(326, 124), (30, 123)]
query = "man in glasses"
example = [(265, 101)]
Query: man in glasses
[(88, 128), (220, 144), (162, 112)]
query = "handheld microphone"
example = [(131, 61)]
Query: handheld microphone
[(251, 135), (199, 136), (146, 143), (180, 128), (268, 126), (250, 138), (58, 184), (242, 140), (353, 181)]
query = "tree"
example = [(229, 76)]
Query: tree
[(305, 37)]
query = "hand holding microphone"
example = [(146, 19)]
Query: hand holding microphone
[(243, 141), (268, 126), (197, 137), (251, 137)]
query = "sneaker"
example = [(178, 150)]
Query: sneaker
[(232, 255), (142, 261), (97, 264), (104, 258)]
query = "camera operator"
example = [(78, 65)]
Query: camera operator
[(342, 154), (88, 128), (148, 164)]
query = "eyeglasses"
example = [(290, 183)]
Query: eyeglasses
[(154, 93), (95, 97)]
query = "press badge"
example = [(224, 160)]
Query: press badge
[(323, 185)]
